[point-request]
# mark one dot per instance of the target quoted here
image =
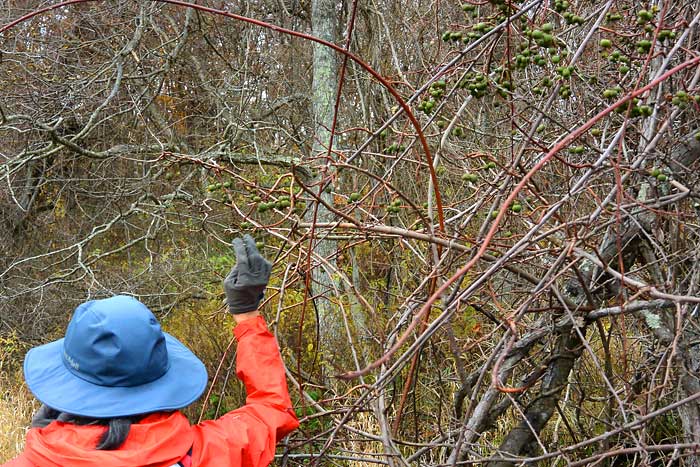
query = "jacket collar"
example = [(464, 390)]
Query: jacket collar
[(158, 440)]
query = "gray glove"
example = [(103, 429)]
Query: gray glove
[(245, 284)]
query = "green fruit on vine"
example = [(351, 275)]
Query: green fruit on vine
[(645, 15), (494, 214), (644, 45), (596, 132), (262, 207), (578, 150), (246, 225), (490, 165), (655, 172), (541, 128), (547, 27), (624, 69), (256, 199), (211, 187), (446, 36), (516, 207), (259, 245), (555, 59), (227, 184), (605, 43), (662, 177), (355, 197)]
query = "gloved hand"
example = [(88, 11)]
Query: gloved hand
[(245, 284)]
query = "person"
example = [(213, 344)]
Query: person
[(112, 387)]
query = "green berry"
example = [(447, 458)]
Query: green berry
[(516, 207), (355, 197), (605, 43)]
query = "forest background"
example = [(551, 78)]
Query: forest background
[(483, 215)]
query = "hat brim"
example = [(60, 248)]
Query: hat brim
[(52, 383)]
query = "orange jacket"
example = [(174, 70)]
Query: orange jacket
[(245, 437)]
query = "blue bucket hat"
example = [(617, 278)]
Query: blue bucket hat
[(114, 361)]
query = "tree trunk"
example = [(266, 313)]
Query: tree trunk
[(524, 435), (324, 22)]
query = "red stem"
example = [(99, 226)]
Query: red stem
[(504, 208)]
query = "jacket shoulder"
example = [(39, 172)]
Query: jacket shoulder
[(19, 461)]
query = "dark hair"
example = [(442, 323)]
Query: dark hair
[(114, 436), (116, 433)]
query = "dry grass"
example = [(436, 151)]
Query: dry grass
[(16, 402), (16, 408)]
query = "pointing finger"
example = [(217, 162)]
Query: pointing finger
[(250, 245), (241, 253)]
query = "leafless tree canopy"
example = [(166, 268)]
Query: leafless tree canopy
[(484, 216)]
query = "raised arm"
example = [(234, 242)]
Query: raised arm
[(248, 436)]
